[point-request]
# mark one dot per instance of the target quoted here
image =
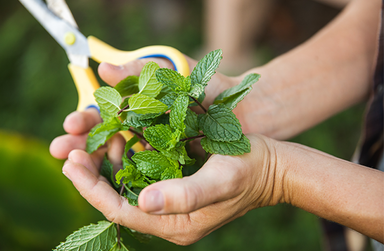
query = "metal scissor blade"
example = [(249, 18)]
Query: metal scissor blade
[(58, 28), (60, 8)]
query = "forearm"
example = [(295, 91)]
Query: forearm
[(323, 76), (334, 189)]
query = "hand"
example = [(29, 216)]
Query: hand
[(185, 210)]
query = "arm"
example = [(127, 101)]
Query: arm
[(323, 76), (334, 189)]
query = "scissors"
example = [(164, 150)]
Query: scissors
[(56, 17)]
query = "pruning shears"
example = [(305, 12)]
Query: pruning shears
[(56, 17)]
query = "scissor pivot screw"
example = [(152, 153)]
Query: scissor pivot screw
[(69, 38)]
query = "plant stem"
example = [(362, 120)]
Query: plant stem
[(126, 107), (197, 102), (118, 235), (194, 137)]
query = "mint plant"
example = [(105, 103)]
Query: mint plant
[(156, 108)]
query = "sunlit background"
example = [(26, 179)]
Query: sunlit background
[(39, 207)]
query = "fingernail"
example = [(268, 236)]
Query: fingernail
[(117, 67), (154, 201)]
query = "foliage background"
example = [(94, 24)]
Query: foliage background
[(38, 205)]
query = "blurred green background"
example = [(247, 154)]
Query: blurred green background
[(39, 207)]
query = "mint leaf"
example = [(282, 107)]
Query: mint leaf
[(191, 124), (232, 96), (143, 104), (106, 170), (101, 133), (133, 119), (171, 173), (162, 119), (130, 143), (231, 102), (151, 163), (143, 238), (93, 237), (148, 84), (169, 99), (205, 68), (131, 177), (117, 248), (179, 154), (161, 137), (172, 79), (220, 124), (197, 91), (128, 86), (178, 113), (109, 100), (132, 195), (186, 86), (227, 148)]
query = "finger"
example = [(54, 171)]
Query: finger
[(218, 180), (81, 122), (92, 162), (105, 199), (61, 146), (94, 189), (116, 147), (113, 74)]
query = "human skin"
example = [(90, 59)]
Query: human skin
[(323, 76)]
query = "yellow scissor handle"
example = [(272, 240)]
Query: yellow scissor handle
[(102, 52), (86, 84)]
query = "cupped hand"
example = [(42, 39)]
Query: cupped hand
[(185, 210)]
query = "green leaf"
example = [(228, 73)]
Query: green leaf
[(186, 86), (130, 143), (197, 91), (117, 248), (220, 124), (227, 148), (151, 163), (178, 113), (231, 102), (169, 99), (109, 100), (106, 170), (143, 238), (191, 124), (171, 173), (140, 120), (101, 133), (142, 104), (132, 195), (148, 84), (232, 96), (131, 177), (162, 119), (172, 79), (92, 237), (179, 154), (161, 137), (128, 86), (205, 68)]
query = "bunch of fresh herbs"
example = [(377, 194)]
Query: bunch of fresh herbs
[(156, 108)]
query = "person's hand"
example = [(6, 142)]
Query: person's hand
[(185, 210)]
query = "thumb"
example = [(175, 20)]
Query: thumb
[(113, 74), (216, 181)]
